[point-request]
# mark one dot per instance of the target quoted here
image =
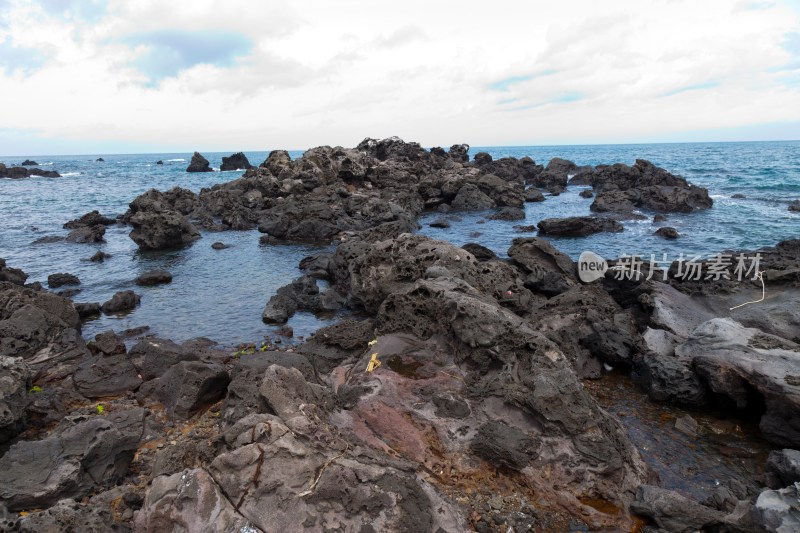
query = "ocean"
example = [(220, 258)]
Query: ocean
[(220, 294)]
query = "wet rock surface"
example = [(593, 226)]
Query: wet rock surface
[(154, 277), (578, 226)]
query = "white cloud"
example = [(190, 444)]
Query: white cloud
[(320, 72)]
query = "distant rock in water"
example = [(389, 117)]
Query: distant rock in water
[(154, 277), (100, 160), (86, 310), (220, 245), (29, 163), (159, 162), (59, 280), (198, 164), (578, 226), (121, 302), (92, 218), (508, 213), (12, 275), (534, 195), (667, 232), (99, 257), (87, 234), (237, 161), (621, 189), (795, 206), (739, 196), (22, 172)]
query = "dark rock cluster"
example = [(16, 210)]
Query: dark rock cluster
[(22, 172)]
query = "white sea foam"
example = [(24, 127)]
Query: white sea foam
[(179, 160), (68, 174)]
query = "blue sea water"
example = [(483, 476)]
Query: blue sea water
[(221, 294)]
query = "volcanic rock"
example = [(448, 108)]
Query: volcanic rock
[(14, 385), (578, 226), (59, 280), (87, 234), (121, 302), (85, 455), (11, 275), (667, 232), (93, 218), (198, 164), (153, 277), (237, 161)]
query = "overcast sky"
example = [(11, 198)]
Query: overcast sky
[(93, 76)]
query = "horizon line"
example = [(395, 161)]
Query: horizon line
[(471, 147)]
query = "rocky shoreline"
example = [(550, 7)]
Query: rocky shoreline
[(454, 400)]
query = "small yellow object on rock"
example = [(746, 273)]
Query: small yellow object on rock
[(373, 342), (373, 363)]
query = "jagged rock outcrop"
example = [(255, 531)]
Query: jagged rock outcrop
[(22, 172), (83, 455), (198, 164), (620, 189), (237, 161)]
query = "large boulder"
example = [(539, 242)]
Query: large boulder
[(390, 265), (153, 277), (121, 302), (42, 328), (198, 164), (159, 231), (105, 375), (589, 327), (546, 270), (578, 226), (621, 189), (187, 387), (11, 275), (471, 198), (87, 234), (237, 161), (88, 453), (459, 153), (747, 365), (92, 218), (59, 280)]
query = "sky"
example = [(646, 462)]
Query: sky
[(132, 76)]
